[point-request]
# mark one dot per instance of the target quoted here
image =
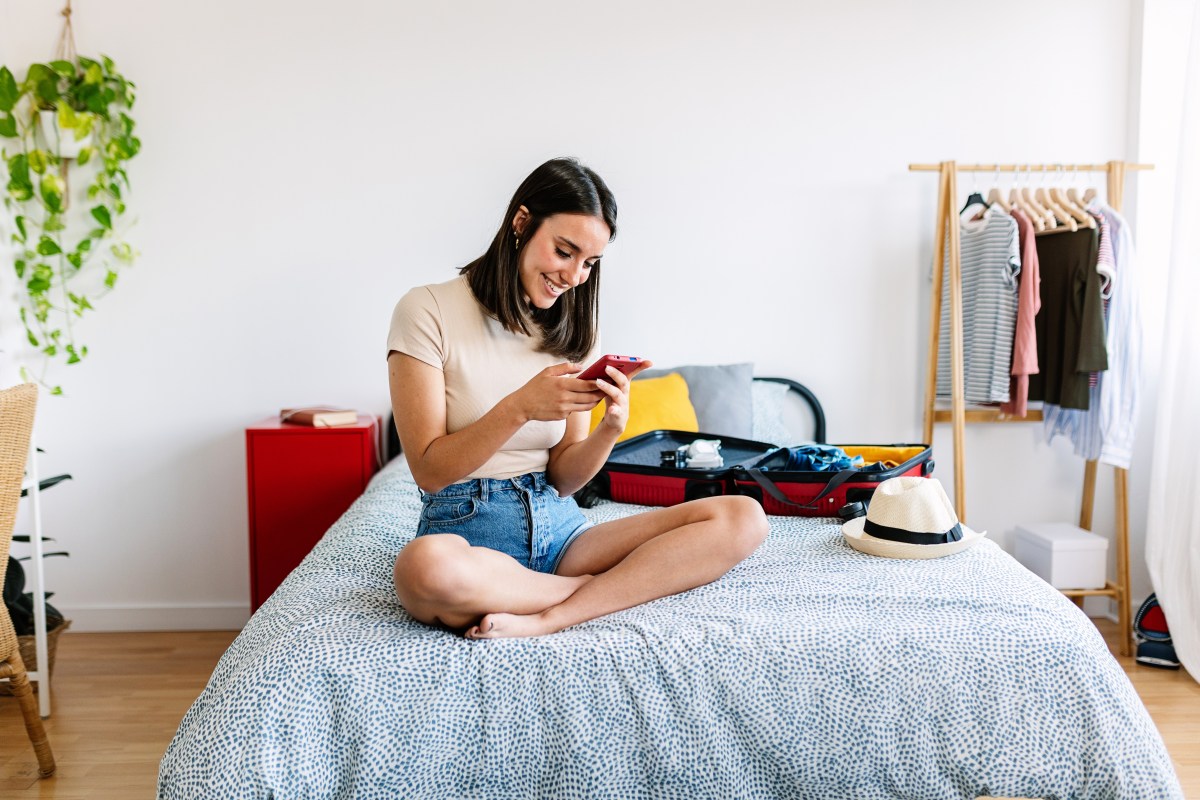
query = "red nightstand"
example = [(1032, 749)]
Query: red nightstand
[(300, 480)]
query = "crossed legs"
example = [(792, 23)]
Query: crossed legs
[(441, 579)]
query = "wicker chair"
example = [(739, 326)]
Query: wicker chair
[(16, 424)]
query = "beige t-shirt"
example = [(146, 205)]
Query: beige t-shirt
[(444, 326)]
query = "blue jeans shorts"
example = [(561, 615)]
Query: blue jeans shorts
[(523, 517)]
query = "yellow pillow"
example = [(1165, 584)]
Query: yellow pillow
[(654, 404)]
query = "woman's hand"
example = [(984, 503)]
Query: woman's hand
[(553, 394), (616, 397)]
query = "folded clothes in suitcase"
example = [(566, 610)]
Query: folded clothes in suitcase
[(776, 481)]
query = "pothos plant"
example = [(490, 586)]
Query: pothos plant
[(65, 258)]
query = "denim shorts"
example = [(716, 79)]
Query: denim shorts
[(523, 517)]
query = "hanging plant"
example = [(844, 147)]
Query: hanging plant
[(70, 110)]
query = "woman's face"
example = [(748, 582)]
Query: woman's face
[(560, 256)]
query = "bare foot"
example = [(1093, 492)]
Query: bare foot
[(510, 626)]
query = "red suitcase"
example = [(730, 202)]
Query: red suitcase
[(821, 494), (635, 473)]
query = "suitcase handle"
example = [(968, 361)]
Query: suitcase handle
[(770, 488)]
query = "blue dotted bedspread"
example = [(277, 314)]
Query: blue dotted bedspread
[(809, 671)]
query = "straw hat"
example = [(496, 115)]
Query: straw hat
[(909, 518)]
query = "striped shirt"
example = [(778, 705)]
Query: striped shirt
[(990, 263), (1106, 431)]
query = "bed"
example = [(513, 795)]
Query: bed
[(810, 670)]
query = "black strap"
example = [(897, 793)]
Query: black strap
[(901, 535), (770, 488)]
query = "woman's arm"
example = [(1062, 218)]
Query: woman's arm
[(579, 456), (437, 458)]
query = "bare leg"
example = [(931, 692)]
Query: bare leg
[(442, 579), (642, 558)]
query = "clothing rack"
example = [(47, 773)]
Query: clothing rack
[(947, 230)]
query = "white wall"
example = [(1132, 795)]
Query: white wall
[(305, 163)]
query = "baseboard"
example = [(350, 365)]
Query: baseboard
[(105, 618)]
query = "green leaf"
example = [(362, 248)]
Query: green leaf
[(50, 350), (52, 192), (109, 66), (9, 92), (93, 74), (44, 82), (75, 260), (74, 357), (48, 247), (32, 339), (64, 68), (38, 161), (102, 216), (85, 155), (20, 221), (57, 390), (110, 280), (18, 169), (122, 252), (54, 223), (8, 125), (84, 245), (19, 266), (39, 283)]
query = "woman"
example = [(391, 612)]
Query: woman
[(495, 430)]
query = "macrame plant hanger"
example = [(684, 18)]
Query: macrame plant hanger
[(66, 52), (947, 247), (66, 40)]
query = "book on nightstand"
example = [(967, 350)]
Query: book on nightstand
[(319, 416)]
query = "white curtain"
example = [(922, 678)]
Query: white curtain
[(1173, 535)]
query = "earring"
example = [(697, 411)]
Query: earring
[(517, 243)]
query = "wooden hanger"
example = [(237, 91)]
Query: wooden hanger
[(1062, 217), (1017, 199), (1041, 211), (1070, 201), (995, 198), (1078, 214)]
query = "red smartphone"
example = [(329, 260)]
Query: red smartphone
[(626, 364)]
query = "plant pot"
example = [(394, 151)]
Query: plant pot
[(28, 647), (63, 144)]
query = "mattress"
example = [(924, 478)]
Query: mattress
[(809, 670)]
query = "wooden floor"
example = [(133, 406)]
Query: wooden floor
[(118, 699)]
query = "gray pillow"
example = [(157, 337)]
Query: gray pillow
[(769, 423), (721, 395)]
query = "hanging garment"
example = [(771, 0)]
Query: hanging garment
[(1106, 266), (1070, 325), (991, 260), (1105, 431), (1029, 300), (1119, 390)]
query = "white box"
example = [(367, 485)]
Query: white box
[(1064, 555)]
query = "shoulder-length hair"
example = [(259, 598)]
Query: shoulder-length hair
[(568, 328)]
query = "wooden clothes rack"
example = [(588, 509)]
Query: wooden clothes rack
[(947, 231)]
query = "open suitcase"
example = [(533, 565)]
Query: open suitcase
[(635, 472), (811, 493)]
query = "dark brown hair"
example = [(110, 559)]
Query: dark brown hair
[(568, 328)]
